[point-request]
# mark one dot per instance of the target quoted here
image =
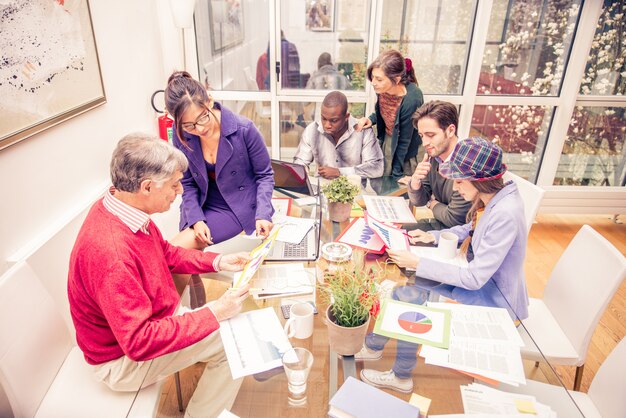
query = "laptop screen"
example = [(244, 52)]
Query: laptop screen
[(291, 177)]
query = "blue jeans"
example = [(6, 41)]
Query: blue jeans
[(406, 354)]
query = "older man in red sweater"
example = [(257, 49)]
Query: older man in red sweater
[(122, 297)]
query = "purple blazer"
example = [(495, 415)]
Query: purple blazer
[(243, 173)]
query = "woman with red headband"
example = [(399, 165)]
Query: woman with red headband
[(494, 243), (398, 97)]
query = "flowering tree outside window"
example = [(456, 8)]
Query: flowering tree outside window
[(594, 152), (606, 67), (527, 48)]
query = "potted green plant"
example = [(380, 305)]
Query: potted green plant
[(352, 294), (340, 194)]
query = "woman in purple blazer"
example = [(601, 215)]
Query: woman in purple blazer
[(228, 186)]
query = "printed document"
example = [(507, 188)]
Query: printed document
[(254, 342), (389, 209), (279, 280), (258, 255), (481, 399), (483, 341), (481, 323), (292, 229), (393, 238)]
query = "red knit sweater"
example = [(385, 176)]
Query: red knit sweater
[(121, 293)]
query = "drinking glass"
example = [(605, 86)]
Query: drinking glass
[(297, 363)]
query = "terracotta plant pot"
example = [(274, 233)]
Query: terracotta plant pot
[(343, 340), (339, 212)]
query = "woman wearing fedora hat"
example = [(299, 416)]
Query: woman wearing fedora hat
[(494, 242)]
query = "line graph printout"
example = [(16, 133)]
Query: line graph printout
[(389, 209), (254, 342)]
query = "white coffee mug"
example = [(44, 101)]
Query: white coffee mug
[(447, 245), (300, 323)]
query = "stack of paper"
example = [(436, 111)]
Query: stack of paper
[(280, 280), (292, 229), (389, 209), (254, 342), (483, 341), (480, 399)]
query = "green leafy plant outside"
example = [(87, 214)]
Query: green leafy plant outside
[(352, 292), (340, 190)]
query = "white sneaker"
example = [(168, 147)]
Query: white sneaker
[(368, 354), (387, 380)]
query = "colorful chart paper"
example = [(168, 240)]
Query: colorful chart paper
[(258, 256), (414, 323), (359, 235)]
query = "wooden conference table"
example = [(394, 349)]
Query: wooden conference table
[(267, 396)]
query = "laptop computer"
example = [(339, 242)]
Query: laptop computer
[(292, 178), (306, 250)]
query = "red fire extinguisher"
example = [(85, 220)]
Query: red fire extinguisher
[(165, 121)]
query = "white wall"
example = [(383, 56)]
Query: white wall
[(57, 171)]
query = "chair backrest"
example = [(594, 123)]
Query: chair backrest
[(608, 387), (582, 284), (34, 340), (531, 196)]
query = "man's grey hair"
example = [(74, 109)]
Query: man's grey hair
[(140, 156)]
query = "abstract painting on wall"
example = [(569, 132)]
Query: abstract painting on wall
[(49, 69)]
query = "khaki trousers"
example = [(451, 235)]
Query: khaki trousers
[(216, 388)]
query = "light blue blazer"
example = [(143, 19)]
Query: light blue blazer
[(496, 274)]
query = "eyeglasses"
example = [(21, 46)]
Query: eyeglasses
[(201, 121)]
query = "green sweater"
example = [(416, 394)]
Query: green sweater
[(405, 140), (452, 208)]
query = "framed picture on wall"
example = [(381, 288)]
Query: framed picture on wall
[(320, 15), (226, 18), (50, 70)]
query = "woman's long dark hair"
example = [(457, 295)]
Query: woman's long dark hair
[(181, 92), (484, 186), (393, 65)]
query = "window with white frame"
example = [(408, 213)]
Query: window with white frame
[(507, 64)]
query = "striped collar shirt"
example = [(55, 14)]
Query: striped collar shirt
[(133, 218)]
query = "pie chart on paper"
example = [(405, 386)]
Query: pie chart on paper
[(415, 322)]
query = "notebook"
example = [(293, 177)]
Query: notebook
[(357, 399)]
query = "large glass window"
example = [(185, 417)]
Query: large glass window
[(435, 34), (521, 132), (324, 44), (231, 41), (605, 73), (594, 152), (527, 47)]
